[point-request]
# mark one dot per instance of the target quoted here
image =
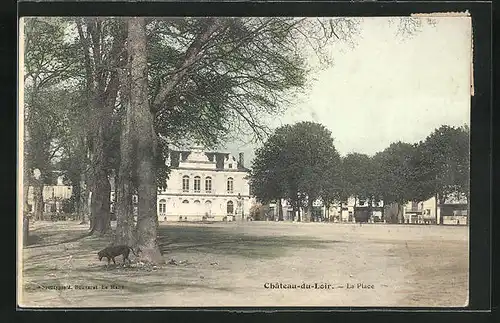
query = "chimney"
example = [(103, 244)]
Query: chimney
[(241, 160)]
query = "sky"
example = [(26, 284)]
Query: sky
[(388, 87)]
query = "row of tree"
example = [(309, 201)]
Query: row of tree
[(300, 163), (104, 97)]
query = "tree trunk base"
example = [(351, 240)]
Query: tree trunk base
[(26, 230), (151, 256)]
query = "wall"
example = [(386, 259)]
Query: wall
[(57, 191), (212, 204), (335, 209), (455, 220), (430, 206)]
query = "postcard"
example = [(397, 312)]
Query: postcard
[(244, 161)]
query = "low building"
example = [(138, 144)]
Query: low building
[(366, 212), (352, 210), (413, 212), (454, 211)]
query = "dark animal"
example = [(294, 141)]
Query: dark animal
[(114, 251)]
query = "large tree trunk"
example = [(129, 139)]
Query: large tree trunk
[(124, 181), (309, 216), (468, 207), (83, 209), (101, 187), (147, 219), (436, 197), (26, 220), (76, 196), (38, 199), (26, 229), (400, 215), (26, 223), (341, 211), (280, 210), (392, 212), (297, 209), (123, 203), (370, 209), (102, 87), (26, 188), (99, 207)]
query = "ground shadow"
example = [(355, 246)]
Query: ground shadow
[(221, 241), (76, 263), (52, 234), (191, 239), (36, 240)]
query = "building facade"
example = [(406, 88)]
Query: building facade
[(203, 185), (53, 196), (454, 211), (352, 210)]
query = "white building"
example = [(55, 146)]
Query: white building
[(453, 211), (354, 207), (337, 212), (205, 185), (53, 195)]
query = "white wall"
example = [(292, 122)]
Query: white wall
[(58, 191), (202, 203), (219, 181)]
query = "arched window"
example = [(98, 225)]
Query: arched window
[(185, 202), (163, 206), (208, 185), (230, 208), (197, 184), (185, 183), (230, 185)]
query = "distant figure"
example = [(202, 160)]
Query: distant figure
[(458, 221)]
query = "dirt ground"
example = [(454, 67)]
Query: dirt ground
[(231, 264)]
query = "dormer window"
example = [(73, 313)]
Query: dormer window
[(230, 165)]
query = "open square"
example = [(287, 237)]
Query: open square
[(229, 264)]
